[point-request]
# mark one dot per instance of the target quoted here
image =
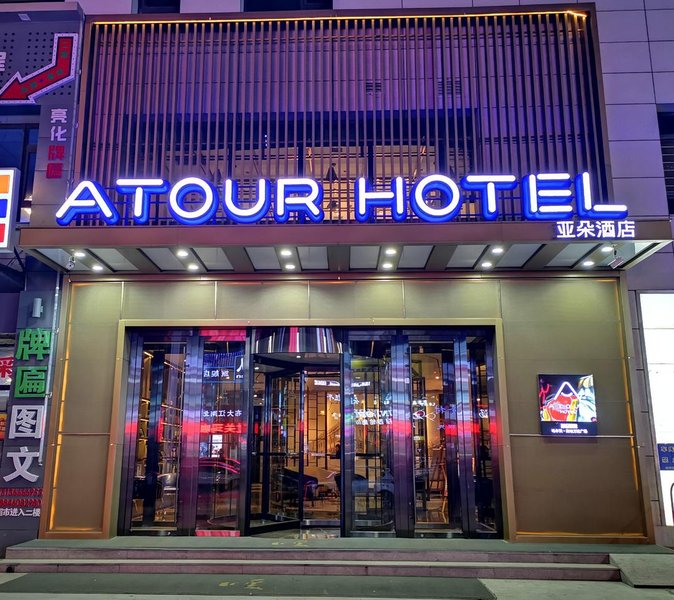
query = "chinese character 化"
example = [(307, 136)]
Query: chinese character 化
[(58, 134)]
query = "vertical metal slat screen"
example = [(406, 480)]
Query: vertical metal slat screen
[(340, 98)]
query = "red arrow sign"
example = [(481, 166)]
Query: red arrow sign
[(60, 70)]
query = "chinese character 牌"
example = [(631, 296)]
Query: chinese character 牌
[(33, 342)]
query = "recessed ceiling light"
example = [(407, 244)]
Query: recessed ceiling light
[(79, 254), (289, 267), (299, 356), (387, 265), (193, 267), (588, 263), (182, 253), (257, 368), (497, 250), (607, 249), (487, 265), (390, 252), (96, 268), (285, 252)]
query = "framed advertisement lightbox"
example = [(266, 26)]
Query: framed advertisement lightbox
[(567, 405)]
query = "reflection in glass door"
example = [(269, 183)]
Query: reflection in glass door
[(451, 411), (154, 502), (369, 442)]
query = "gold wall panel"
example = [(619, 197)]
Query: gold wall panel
[(174, 300), (574, 486), (452, 299), (258, 300), (80, 484), (356, 299)]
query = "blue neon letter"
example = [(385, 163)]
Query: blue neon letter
[(141, 190), (366, 200), (88, 198), (308, 203), (542, 195), (487, 186), (187, 186), (598, 211), (435, 183), (251, 214)]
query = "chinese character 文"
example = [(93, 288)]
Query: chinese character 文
[(33, 342), (59, 115), (26, 422), (22, 460), (31, 382)]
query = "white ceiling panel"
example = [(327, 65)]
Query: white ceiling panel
[(114, 259), (517, 255), (570, 255), (364, 257), (465, 256), (164, 259), (414, 257), (263, 258), (214, 259), (313, 257)]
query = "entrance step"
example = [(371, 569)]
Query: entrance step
[(382, 561), (486, 570)]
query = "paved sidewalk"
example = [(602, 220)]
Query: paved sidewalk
[(499, 589)]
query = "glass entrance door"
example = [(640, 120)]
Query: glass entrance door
[(296, 478), (158, 425), (454, 449)]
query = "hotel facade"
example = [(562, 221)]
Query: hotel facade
[(362, 271)]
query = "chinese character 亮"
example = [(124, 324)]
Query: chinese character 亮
[(58, 115)]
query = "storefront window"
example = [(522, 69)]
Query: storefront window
[(220, 430)]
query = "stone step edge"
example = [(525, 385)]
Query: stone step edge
[(344, 563), (18, 553)]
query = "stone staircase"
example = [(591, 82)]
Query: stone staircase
[(377, 561)]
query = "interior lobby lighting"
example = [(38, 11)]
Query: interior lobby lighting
[(96, 268), (497, 250), (487, 265), (79, 254), (387, 265), (289, 267), (182, 253), (390, 252), (285, 252), (607, 249), (193, 267), (588, 263)]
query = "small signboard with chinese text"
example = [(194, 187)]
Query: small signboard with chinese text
[(666, 456)]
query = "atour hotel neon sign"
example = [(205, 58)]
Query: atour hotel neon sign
[(545, 196)]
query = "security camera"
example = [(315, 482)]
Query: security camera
[(70, 265), (617, 261)]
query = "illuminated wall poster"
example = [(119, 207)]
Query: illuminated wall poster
[(567, 405)]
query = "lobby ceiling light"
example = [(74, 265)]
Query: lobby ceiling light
[(607, 249), (193, 267), (390, 252), (387, 265), (588, 263), (181, 253), (285, 252), (96, 268), (487, 264), (79, 254), (289, 267), (497, 250)]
